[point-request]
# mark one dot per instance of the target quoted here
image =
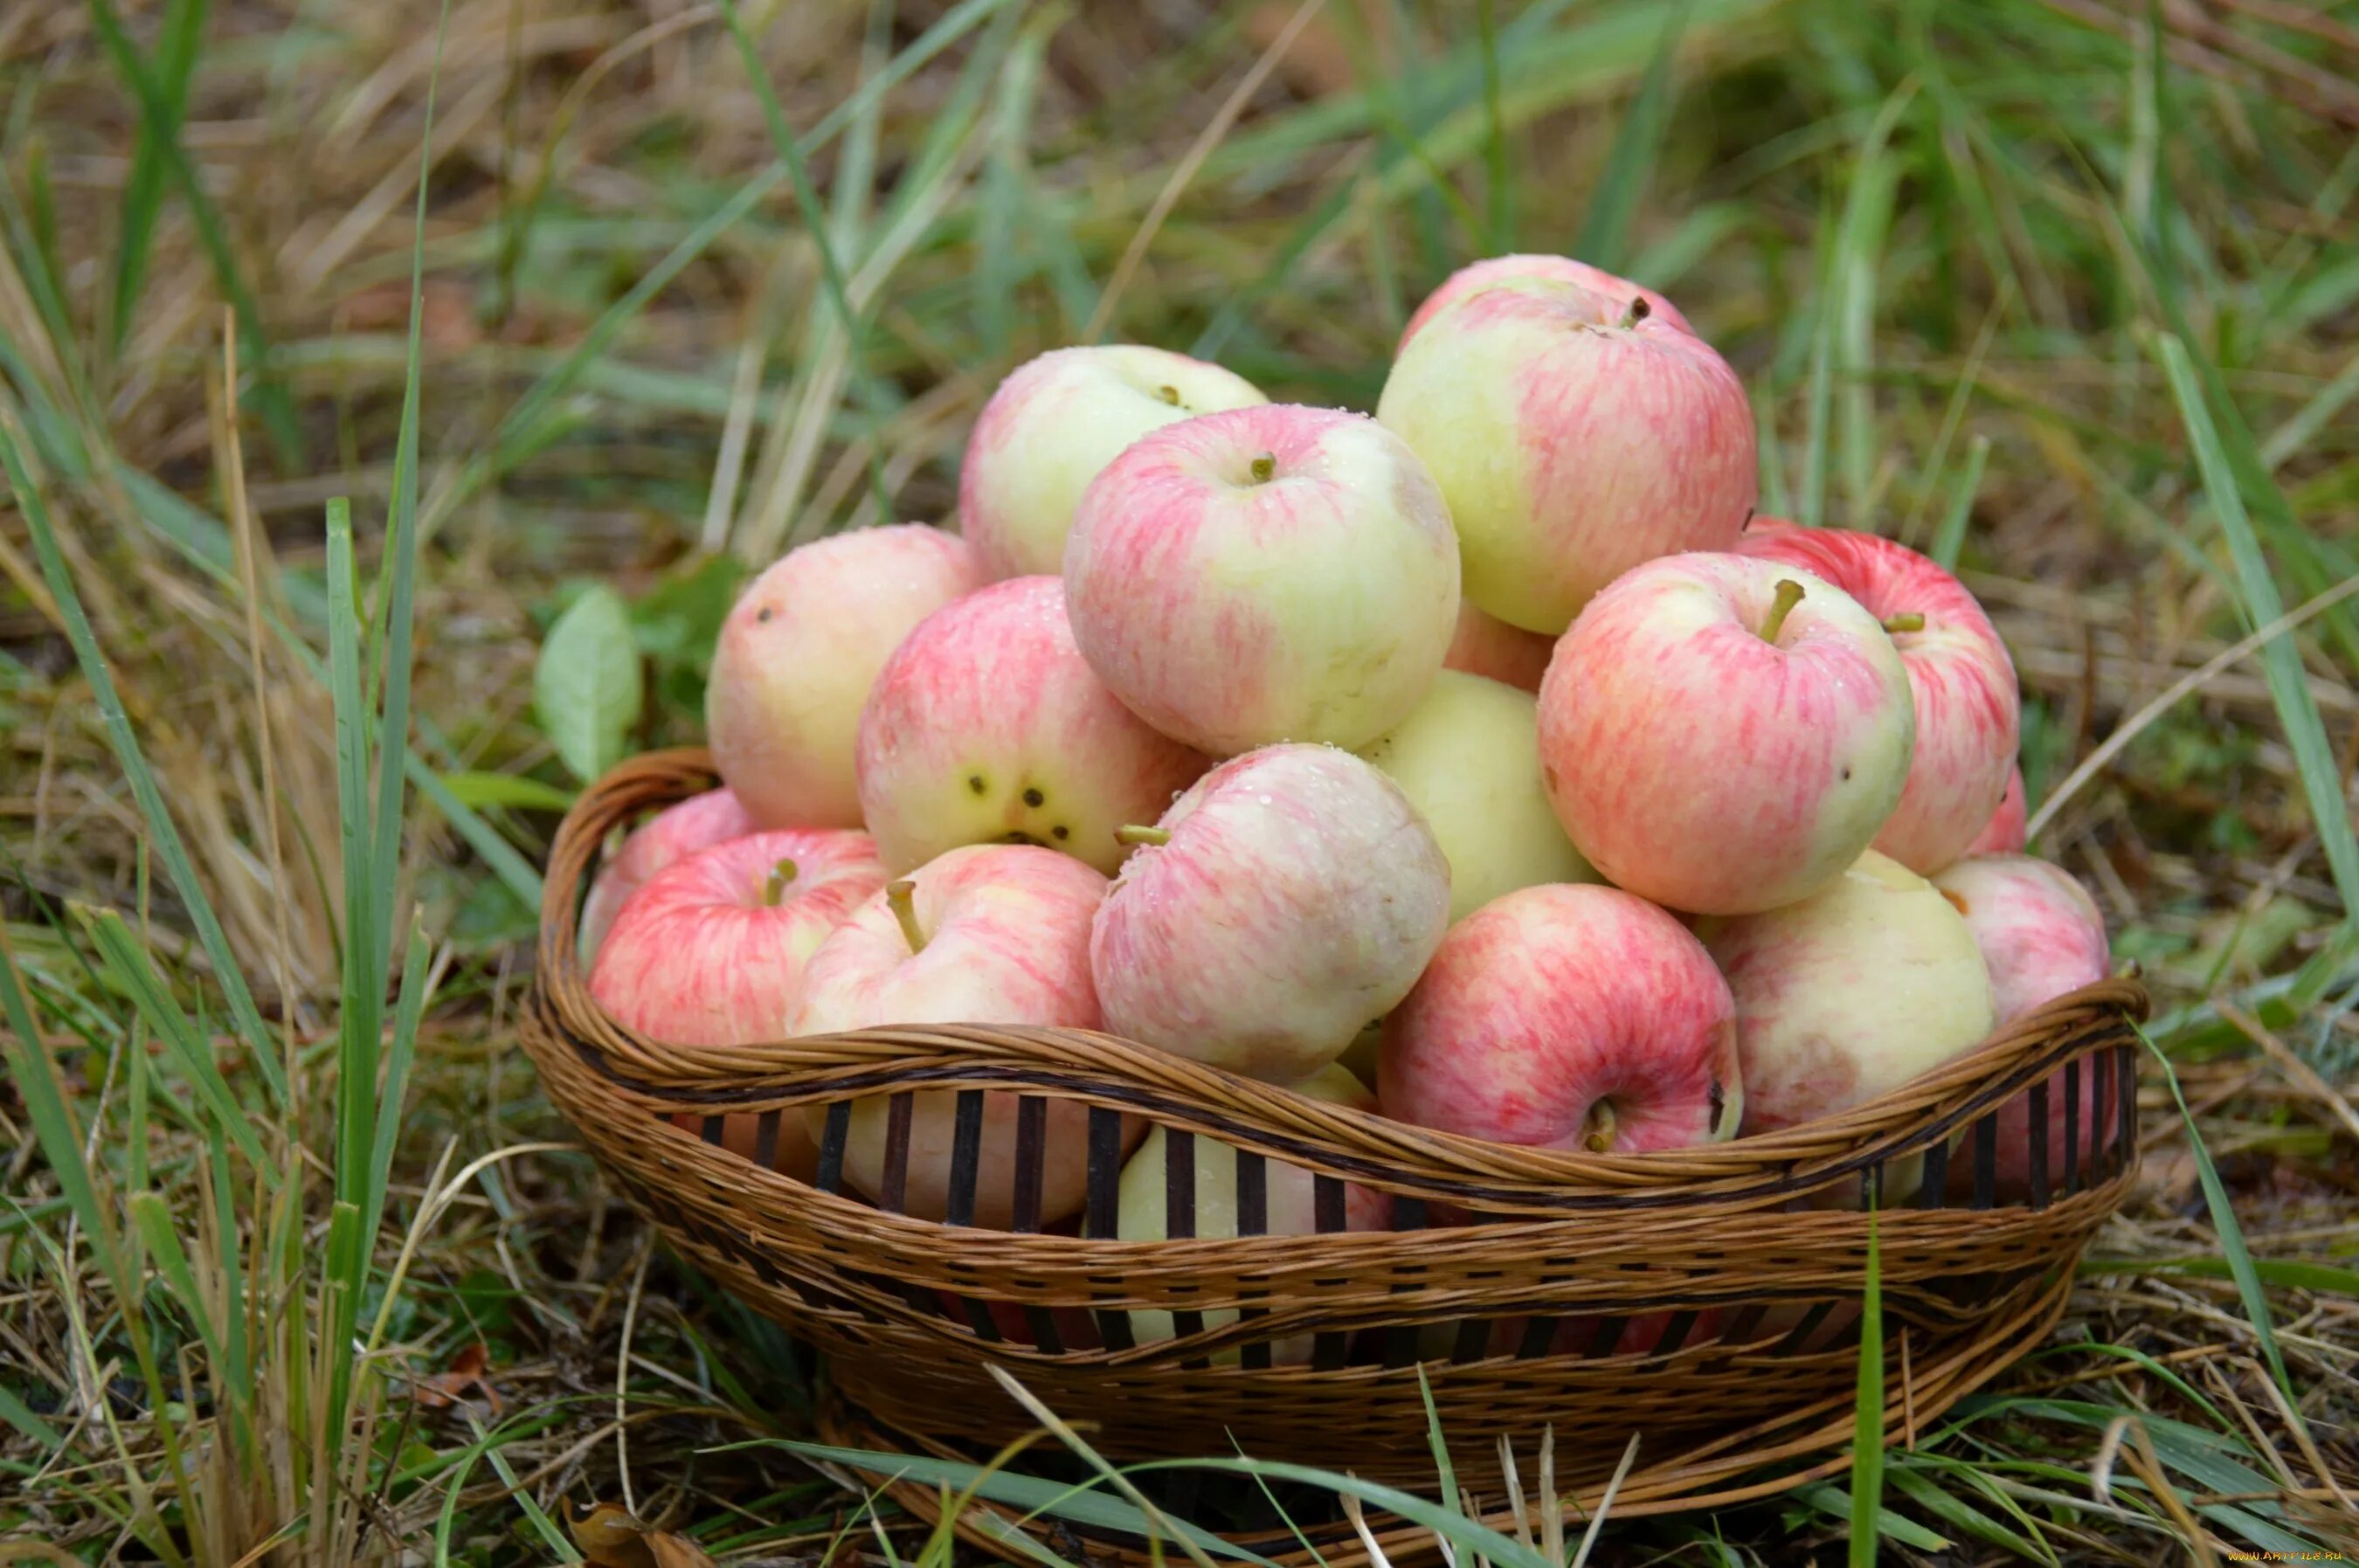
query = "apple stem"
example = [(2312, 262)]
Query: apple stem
[(1909, 621), (1602, 1124), (1789, 594), (902, 896), (1265, 467), (774, 886), (1135, 834), (1639, 310)]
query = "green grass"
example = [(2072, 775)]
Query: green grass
[(2074, 306)]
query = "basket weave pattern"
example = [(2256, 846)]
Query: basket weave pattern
[(1515, 1276)]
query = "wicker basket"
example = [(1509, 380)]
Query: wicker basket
[(1701, 1297)]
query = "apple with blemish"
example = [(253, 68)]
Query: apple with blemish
[(1619, 291), (1723, 735), (1289, 1204), (1849, 993), (2041, 936), (1288, 897), (1573, 436), (697, 823), (1054, 423), (985, 934), (988, 726), (2005, 833), (1567, 1017), (711, 949), (1264, 575), (1488, 647), (798, 653), (1468, 759), (1959, 677)]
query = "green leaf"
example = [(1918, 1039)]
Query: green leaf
[(1079, 1504), (478, 791), (128, 963), (23, 1417), (586, 687), (1842, 1503), (1604, 238), (2297, 706), (156, 111), (177, 47), (2285, 1274), (163, 833), (1868, 1427), (1950, 538), (2238, 1257)]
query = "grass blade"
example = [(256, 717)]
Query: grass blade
[(2297, 706), (163, 833), (177, 46), (1604, 238), (1867, 1430), (157, 113), (831, 276), (1951, 537), (399, 1055), (1498, 185), (125, 959), (2237, 1257)]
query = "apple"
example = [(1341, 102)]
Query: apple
[(1961, 679), (1486, 645), (798, 653), (1573, 436), (1291, 895), (2040, 935), (2004, 833), (1267, 574), (1567, 1017), (1289, 1204), (1054, 423), (711, 949), (1723, 734), (1619, 291), (986, 725), (1850, 993), (1468, 759), (697, 823), (983, 933)]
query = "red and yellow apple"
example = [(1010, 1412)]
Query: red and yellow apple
[(1617, 291), (797, 656), (1567, 1017), (1268, 574), (2004, 833), (1574, 438), (1849, 993), (697, 823), (1724, 735), (988, 726), (1053, 424), (711, 950), (1290, 897), (985, 934), (1960, 676), (1468, 759), (2040, 935), (1486, 645)]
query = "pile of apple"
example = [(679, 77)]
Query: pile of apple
[(1491, 745)]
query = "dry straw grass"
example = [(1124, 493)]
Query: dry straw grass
[(2032, 285)]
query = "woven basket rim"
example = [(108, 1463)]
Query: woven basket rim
[(815, 1069)]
